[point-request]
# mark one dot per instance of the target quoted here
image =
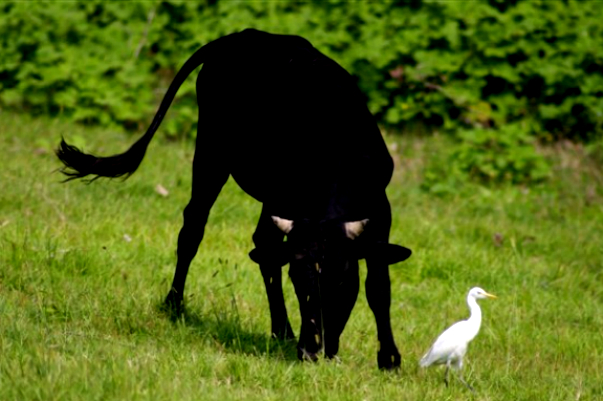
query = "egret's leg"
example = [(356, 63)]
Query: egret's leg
[(459, 368), (465, 383), (446, 373)]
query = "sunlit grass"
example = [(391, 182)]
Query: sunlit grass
[(84, 268)]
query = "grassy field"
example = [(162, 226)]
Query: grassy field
[(84, 268)]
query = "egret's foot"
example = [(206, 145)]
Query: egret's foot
[(467, 384)]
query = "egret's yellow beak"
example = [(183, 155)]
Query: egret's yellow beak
[(492, 296)]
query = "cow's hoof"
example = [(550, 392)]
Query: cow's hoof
[(333, 359), (304, 355), (173, 304), (283, 333), (389, 360)]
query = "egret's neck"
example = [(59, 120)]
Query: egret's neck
[(475, 320)]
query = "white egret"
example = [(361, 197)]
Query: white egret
[(451, 346)]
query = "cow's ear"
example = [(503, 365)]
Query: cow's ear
[(354, 228), (278, 255), (283, 224), (385, 253)]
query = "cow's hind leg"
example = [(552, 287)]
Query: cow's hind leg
[(209, 176), (189, 239), (267, 236)]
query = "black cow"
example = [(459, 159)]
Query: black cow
[(293, 130)]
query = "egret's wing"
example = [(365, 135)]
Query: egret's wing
[(445, 345)]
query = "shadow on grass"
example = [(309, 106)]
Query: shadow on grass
[(224, 328)]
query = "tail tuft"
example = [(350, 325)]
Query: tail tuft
[(79, 164)]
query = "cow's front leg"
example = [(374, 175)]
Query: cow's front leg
[(268, 239), (338, 296), (378, 294), (305, 282), (281, 328)]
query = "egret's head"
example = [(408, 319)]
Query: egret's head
[(479, 293)]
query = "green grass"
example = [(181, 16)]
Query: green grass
[(80, 315)]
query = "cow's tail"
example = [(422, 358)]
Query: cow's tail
[(79, 164)]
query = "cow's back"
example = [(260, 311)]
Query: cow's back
[(293, 125)]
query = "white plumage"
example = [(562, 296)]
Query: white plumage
[(450, 347)]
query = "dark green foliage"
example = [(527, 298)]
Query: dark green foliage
[(443, 66), (505, 155), (486, 155)]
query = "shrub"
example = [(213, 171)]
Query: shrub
[(488, 156), (504, 155), (448, 65)]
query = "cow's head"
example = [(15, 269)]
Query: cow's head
[(324, 271)]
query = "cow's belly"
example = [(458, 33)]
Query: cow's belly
[(271, 182)]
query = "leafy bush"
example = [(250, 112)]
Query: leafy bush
[(505, 155), (488, 156), (443, 64)]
